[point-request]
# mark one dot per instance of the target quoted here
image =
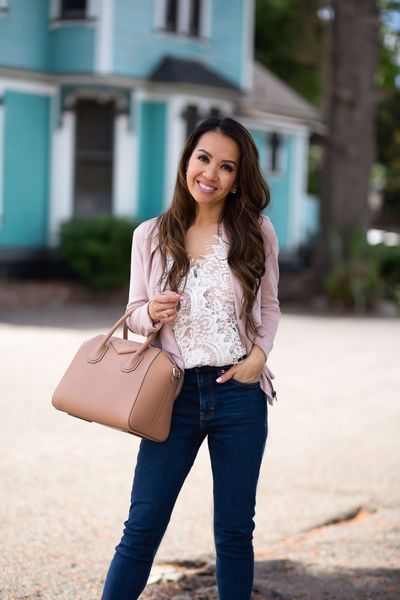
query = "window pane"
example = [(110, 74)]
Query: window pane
[(171, 18), (73, 9), (275, 144), (93, 158), (194, 25), (191, 116)]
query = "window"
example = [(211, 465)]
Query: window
[(191, 116), (275, 153), (73, 9), (194, 21), (185, 17), (215, 112), (94, 156), (171, 15)]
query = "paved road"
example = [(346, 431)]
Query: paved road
[(332, 455)]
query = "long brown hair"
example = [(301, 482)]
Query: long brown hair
[(240, 216)]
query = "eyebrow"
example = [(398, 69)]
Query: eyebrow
[(226, 160)]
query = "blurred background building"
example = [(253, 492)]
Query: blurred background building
[(97, 98)]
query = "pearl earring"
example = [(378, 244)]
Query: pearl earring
[(234, 190)]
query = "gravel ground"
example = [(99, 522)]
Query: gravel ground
[(327, 518)]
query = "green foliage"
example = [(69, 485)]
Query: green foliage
[(315, 160), (390, 43), (292, 40), (98, 250), (289, 41), (388, 259), (355, 281), (388, 126)]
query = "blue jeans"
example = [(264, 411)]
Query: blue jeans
[(233, 416)]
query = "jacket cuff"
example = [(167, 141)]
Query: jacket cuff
[(140, 321), (266, 347)]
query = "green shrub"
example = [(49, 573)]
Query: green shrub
[(98, 250), (355, 280), (388, 259)]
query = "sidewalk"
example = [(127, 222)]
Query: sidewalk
[(327, 516)]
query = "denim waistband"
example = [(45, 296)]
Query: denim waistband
[(214, 368)]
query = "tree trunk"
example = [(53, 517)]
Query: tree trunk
[(350, 144)]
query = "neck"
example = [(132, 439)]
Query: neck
[(208, 216)]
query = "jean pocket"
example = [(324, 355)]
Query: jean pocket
[(251, 384)]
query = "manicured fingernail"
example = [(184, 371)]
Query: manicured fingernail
[(219, 380), (182, 297)]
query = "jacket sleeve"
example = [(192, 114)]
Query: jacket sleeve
[(140, 321), (270, 310)]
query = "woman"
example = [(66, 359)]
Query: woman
[(205, 273)]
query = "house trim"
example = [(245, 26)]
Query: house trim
[(105, 38), (26, 87), (62, 169), (270, 123), (206, 20), (136, 128), (123, 163), (3, 9), (1, 160), (248, 45), (297, 191)]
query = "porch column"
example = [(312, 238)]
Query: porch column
[(62, 170)]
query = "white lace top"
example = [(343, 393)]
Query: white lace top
[(205, 328)]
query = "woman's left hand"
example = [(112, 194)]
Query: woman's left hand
[(247, 370)]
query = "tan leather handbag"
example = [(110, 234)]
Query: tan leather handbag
[(121, 383)]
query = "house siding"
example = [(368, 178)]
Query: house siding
[(26, 168), (72, 49), (24, 35), (138, 47), (280, 193), (279, 185), (152, 147)]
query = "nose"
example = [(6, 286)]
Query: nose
[(210, 172)]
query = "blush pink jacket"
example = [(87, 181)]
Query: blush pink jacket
[(146, 270)]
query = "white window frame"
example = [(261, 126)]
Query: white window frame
[(2, 93), (4, 6), (183, 18)]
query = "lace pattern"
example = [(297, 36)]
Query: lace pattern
[(205, 330)]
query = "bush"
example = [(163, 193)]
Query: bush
[(355, 280), (98, 250), (388, 259)]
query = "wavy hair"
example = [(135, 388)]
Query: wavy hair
[(240, 217)]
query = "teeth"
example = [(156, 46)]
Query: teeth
[(206, 187)]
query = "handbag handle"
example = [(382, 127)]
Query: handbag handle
[(102, 348)]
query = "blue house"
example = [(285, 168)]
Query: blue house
[(97, 98)]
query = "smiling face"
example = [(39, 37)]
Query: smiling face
[(212, 169)]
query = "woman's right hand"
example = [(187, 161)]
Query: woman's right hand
[(163, 307)]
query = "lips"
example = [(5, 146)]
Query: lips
[(205, 188)]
